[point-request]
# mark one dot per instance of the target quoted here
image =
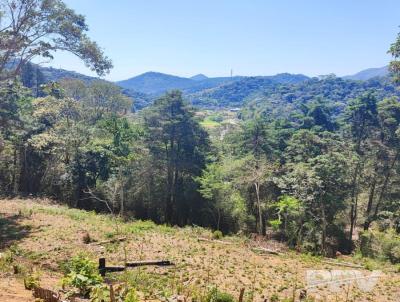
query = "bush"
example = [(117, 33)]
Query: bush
[(86, 239), (214, 295), (366, 244), (275, 224), (217, 235), (395, 254), (101, 292), (31, 281), (274, 298), (81, 273), (384, 245)]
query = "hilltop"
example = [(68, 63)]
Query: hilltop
[(369, 73), (238, 91)]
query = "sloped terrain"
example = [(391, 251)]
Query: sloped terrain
[(42, 235)]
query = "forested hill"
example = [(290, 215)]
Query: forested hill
[(268, 94), (234, 94), (283, 100), (156, 83), (368, 74)]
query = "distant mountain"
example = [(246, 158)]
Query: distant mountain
[(140, 100), (51, 74), (261, 91), (199, 77), (234, 94), (156, 83), (55, 74), (368, 74)]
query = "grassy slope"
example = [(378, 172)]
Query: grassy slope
[(45, 235)]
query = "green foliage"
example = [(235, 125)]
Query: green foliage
[(274, 298), (45, 27), (99, 293), (288, 101), (217, 234), (81, 273), (177, 144), (215, 295), (381, 245), (275, 224), (313, 157), (31, 281)]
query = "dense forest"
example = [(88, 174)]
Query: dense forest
[(314, 162)]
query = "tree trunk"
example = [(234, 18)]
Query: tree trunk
[(371, 196), (354, 201), (169, 201), (384, 186), (15, 171), (260, 223), (171, 198), (324, 227), (219, 218)]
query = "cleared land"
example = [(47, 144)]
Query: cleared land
[(43, 235)]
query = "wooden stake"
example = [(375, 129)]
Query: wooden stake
[(241, 295), (112, 295)]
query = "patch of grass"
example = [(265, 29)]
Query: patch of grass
[(75, 214), (151, 284), (142, 226), (6, 260), (217, 235), (199, 265), (208, 123), (215, 295)]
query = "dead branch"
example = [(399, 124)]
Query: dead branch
[(92, 195), (265, 250), (214, 240), (114, 240)]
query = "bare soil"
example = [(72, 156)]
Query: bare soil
[(46, 234)]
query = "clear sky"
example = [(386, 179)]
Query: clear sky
[(252, 37)]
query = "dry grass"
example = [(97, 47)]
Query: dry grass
[(45, 235)]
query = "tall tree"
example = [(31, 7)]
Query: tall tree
[(38, 28), (178, 145), (362, 119)]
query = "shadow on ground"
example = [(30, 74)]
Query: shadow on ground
[(11, 230)]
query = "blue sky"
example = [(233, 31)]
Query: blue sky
[(252, 37)]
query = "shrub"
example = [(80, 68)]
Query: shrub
[(86, 239), (275, 224), (122, 293), (131, 296), (274, 298), (214, 295), (366, 244), (82, 274), (31, 281), (395, 254), (384, 245), (217, 235)]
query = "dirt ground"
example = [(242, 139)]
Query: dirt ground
[(46, 235)]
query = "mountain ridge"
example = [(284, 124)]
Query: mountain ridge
[(208, 92), (368, 74)]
